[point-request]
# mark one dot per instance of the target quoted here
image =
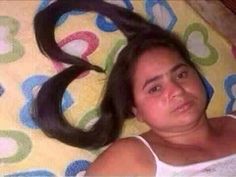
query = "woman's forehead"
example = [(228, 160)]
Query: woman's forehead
[(161, 57), (157, 62)]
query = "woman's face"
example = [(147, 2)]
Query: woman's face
[(168, 93)]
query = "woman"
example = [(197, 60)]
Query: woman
[(154, 80), (169, 96)]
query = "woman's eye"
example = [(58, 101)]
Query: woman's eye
[(154, 89), (182, 75)]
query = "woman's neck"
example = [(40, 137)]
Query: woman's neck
[(200, 134)]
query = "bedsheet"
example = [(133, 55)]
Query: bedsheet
[(24, 149)]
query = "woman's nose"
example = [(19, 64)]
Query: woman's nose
[(175, 89)]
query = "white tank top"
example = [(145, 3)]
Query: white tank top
[(222, 167)]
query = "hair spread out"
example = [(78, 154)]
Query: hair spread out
[(118, 97)]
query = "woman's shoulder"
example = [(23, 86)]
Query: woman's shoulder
[(225, 123), (231, 115), (231, 122), (123, 157)]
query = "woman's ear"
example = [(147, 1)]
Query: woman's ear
[(135, 112)]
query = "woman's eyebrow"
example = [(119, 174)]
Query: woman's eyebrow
[(176, 67), (152, 79), (157, 77)]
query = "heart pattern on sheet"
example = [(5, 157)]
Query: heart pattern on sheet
[(196, 40), (31, 173), (2, 90), (81, 44), (104, 23), (30, 88), (14, 146), (77, 168), (209, 89), (10, 48), (112, 56), (230, 89), (64, 17), (160, 12), (88, 119)]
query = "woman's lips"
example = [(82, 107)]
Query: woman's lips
[(183, 107)]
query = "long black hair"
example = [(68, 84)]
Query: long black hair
[(117, 101)]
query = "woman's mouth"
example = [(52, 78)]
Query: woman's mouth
[(183, 107)]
